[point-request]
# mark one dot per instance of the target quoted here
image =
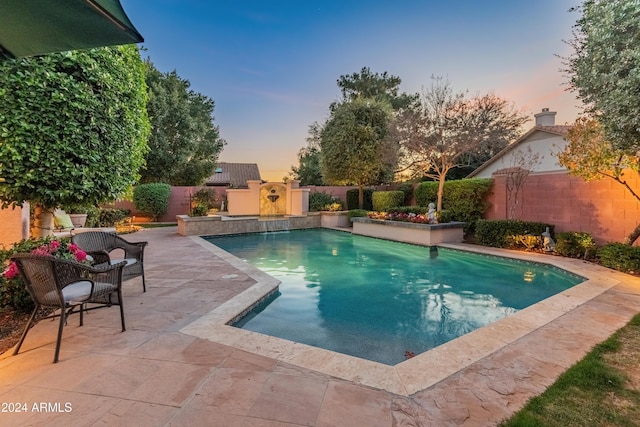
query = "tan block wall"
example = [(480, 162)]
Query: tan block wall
[(603, 208)]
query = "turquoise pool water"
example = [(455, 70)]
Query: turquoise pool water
[(382, 300)]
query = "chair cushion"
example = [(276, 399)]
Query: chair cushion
[(130, 261), (62, 220), (74, 293)]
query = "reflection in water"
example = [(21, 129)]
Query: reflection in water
[(382, 300)]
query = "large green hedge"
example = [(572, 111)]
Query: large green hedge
[(385, 200), (152, 199), (465, 199)]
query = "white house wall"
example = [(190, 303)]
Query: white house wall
[(544, 143)]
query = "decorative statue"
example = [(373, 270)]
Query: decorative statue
[(431, 213), (547, 242)]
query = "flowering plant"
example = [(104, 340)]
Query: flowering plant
[(402, 216), (60, 249)]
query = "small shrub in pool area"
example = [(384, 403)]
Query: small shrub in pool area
[(500, 233), (620, 257), (321, 201), (575, 245), (355, 213), (403, 217)]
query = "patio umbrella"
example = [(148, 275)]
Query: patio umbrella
[(37, 27)]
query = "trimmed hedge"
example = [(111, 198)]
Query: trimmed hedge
[(321, 201), (152, 199), (575, 245), (621, 257), (110, 216), (352, 199), (384, 201), (465, 199), (508, 233)]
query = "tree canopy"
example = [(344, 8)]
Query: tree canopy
[(73, 126), (308, 171), (184, 142), (445, 126), (382, 87), (355, 146), (603, 68)]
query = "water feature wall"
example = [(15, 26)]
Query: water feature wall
[(268, 199)]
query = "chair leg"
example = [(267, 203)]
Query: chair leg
[(26, 329), (144, 285), (121, 309), (63, 315)]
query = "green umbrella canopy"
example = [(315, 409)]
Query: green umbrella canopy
[(37, 27)]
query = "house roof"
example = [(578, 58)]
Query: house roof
[(561, 130), (234, 174)]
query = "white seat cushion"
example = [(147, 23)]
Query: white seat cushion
[(74, 293)]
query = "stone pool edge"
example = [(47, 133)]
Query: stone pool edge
[(419, 372)]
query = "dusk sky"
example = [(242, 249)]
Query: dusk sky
[(271, 66)]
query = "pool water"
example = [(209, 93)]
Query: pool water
[(380, 300)]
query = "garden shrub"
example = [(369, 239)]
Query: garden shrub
[(352, 199), (152, 199), (465, 199), (444, 216), (384, 201), (407, 190), (505, 233), (110, 216), (418, 210), (354, 213), (625, 258), (321, 201), (575, 245)]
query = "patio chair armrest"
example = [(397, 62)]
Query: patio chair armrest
[(132, 249), (99, 257), (111, 274)]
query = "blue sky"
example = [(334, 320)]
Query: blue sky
[(271, 66)]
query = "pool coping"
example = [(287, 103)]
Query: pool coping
[(419, 372)]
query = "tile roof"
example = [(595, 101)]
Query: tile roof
[(557, 129), (234, 174)]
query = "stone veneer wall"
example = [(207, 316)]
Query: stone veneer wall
[(217, 225)]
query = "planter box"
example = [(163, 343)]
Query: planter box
[(409, 232), (334, 219)]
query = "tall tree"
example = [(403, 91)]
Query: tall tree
[(308, 171), (184, 142), (591, 156), (382, 87), (355, 146), (73, 128), (603, 69), (445, 126)]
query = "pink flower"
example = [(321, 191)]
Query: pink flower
[(41, 251), (80, 255), (73, 248), (11, 271), (54, 245)]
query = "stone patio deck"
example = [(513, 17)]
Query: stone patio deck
[(155, 374)]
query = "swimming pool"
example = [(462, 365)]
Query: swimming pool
[(381, 300)]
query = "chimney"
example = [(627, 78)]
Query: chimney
[(545, 118)]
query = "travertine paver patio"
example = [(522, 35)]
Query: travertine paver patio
[(153, 374)]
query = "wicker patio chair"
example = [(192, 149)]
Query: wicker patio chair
[(67, 285), (99, 244)]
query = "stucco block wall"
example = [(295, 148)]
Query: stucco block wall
[(603, 208), (10, 226)]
